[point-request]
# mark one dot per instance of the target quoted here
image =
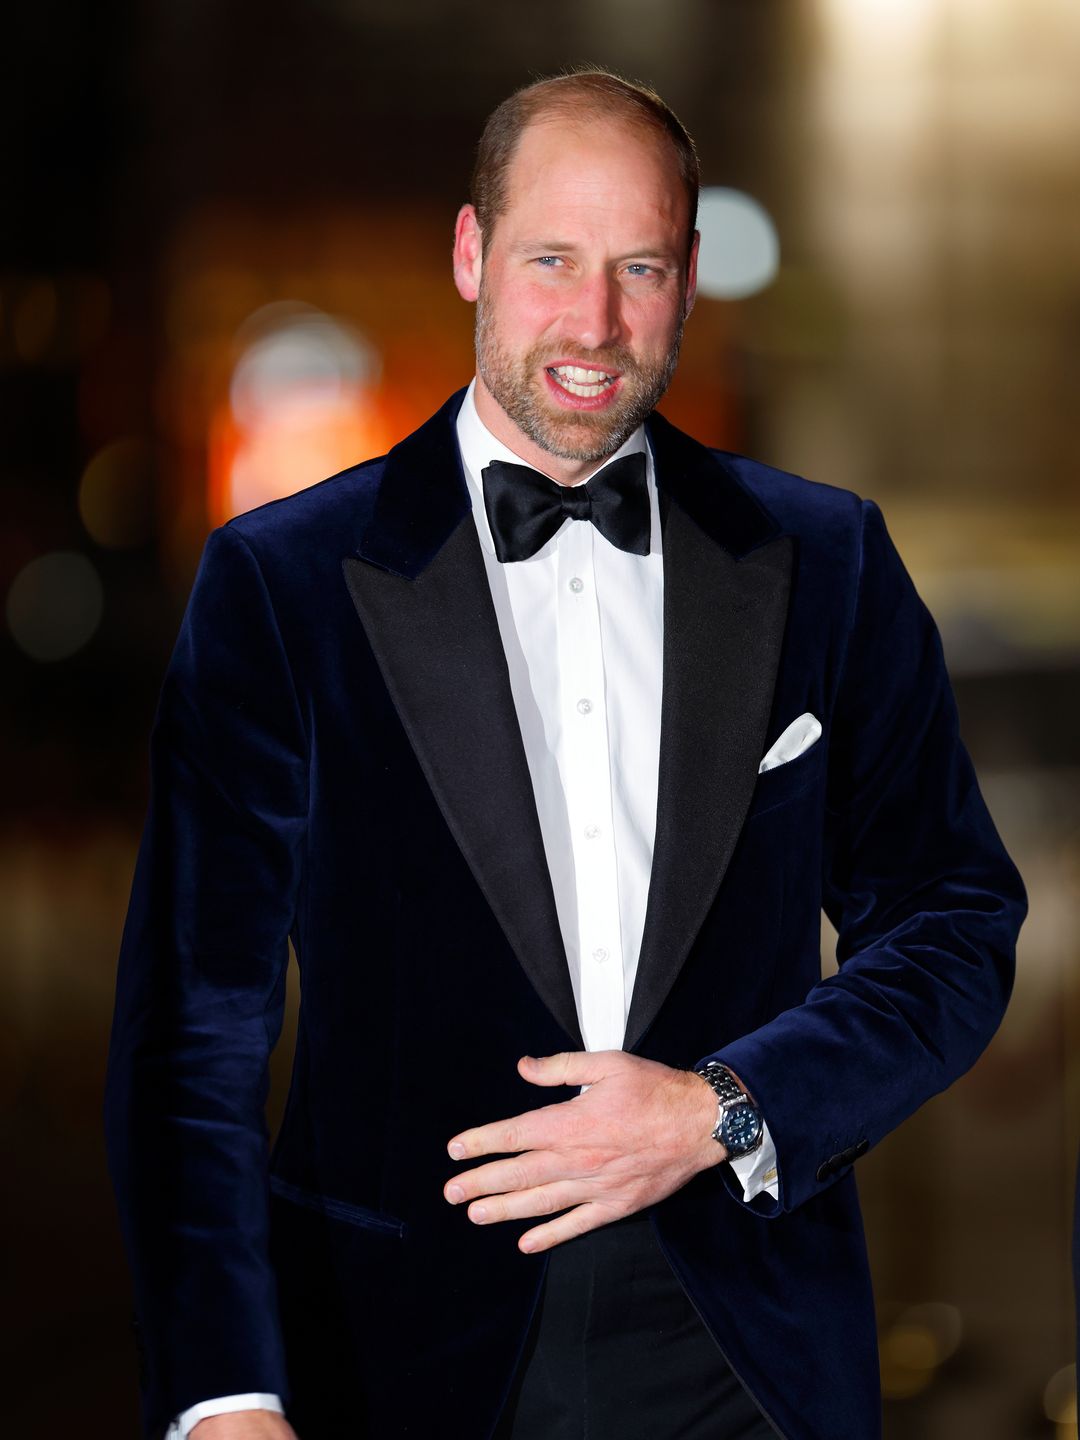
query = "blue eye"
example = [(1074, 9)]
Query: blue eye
[(640, 269), (548, 261)]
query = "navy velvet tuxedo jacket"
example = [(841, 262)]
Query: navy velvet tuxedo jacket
[(337, 759)]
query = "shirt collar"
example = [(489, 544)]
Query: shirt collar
[(479, 447)]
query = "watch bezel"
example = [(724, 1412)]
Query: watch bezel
[(734, 1149)]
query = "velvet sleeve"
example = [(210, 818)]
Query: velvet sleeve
[(200, 995), (925, 900)]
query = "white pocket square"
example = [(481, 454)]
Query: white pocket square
[(798, 736)]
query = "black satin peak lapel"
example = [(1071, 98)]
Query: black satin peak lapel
[(437, 642), (727, 580), (421, 591), (422, 497)]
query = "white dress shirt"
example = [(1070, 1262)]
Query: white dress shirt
[(582, 625)]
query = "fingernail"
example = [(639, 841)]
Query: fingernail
[(478, 1214), (455, 1194), (527, 1245), (457, 1150)]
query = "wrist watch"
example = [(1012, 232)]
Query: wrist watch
[(739, 1126)]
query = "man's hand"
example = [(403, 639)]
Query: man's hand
[(244, 1425), (637, 1134)]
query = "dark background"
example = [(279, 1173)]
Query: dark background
[(170, 170)]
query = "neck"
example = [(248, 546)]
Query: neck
[(555, 467)]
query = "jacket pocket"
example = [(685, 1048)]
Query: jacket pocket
[(338, 1209), (788, 781)]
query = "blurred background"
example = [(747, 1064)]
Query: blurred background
[(224, 274)]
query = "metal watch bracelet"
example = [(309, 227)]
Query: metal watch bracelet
[(727, 1091)]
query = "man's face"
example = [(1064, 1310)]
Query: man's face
[(583, 290)]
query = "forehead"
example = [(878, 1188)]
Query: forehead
[(597, 173)]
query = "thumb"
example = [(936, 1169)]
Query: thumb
[(572, 1067)]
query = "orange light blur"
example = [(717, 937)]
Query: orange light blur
[(300, 444)]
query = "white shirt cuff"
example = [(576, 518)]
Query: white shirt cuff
[(225, 1405), (757, 1172)]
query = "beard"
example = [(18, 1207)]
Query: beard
[(584, 435)]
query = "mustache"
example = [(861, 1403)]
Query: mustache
[(612, 357)]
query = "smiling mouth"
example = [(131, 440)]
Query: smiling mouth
[(576, 379)]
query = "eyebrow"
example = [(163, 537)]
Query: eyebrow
[(562, 247), (543, 246)]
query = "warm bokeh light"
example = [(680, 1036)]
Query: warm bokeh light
[(34, 319), (303, 404), (116, 498), (52, 320), (915, 1345), (1059, 1397), (295, 352), (54, 605), (888, 28)]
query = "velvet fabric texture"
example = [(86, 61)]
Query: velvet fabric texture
[(336, 758)]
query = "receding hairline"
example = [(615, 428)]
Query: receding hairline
[(582, 116), (582, 97), (579, 122)]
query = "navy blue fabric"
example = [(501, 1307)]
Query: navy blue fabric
[(306, 781)]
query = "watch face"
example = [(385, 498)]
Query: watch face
[(741, 1128)]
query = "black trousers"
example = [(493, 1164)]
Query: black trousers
[(618, 1352)]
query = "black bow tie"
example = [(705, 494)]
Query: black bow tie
[(525, 508)]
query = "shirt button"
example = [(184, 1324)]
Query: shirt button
[(584, 706), (591, 832), (577, 585), (600, 954)]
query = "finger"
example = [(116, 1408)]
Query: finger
[(570, 1067), (520, 1204), (535, 1167), (580, 1220), (531, 1131)]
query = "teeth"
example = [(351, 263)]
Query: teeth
[(579, 381), (583, 377)]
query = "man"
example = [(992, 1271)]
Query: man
[(547, 735)]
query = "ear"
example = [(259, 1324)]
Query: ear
[(691, 276), (468, 253)]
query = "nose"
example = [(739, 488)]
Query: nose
[(594, 318)]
